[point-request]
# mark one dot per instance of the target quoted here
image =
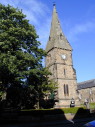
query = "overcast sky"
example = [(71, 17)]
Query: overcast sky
[(77, 19)]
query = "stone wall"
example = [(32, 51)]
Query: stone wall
[(87, 93)]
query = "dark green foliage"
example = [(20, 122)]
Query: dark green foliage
[(75, 110), (13, 96), (42, 112), (46, 104), (21, 60), (20, 97), (19, 52)]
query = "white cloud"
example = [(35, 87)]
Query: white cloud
[(34, 9), (10, 2), (86, 27)]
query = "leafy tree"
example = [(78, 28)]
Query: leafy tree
[(42, 86), (21, 58), (19, 52)]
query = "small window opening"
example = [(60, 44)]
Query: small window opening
[(66, 90)]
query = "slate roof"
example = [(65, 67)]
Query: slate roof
[(86, 84), (57, 39)]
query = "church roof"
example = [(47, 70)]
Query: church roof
[(86, 84), (57, 39)]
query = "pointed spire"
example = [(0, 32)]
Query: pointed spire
[(57, 38)]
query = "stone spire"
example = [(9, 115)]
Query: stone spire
[(57, 38)]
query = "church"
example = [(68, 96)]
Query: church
[(60, 63)]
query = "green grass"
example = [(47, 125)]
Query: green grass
[(72, 110), (92, 105), (54, 111)]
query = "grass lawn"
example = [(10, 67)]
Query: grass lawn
[(72, 110), (92, 105)]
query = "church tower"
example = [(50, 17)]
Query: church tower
[(59, 62)]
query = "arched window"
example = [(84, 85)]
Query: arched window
[(66, 90)]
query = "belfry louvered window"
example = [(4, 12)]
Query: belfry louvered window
[(66, 90)]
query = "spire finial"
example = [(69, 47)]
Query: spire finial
[(54, 4)]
